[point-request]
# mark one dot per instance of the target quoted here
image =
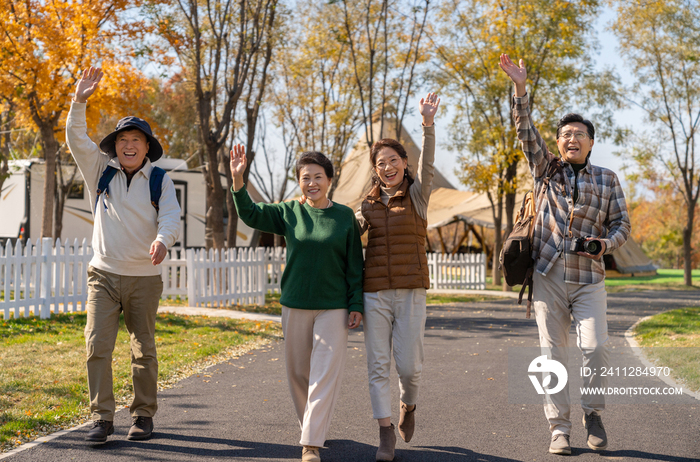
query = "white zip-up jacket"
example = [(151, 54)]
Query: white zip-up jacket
[(126, 223)]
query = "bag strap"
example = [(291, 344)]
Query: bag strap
[(103, 183), (553, 168), (155, 183)]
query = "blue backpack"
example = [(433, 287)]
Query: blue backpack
[(155, 184)]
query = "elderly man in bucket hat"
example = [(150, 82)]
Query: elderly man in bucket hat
[(130, 238)]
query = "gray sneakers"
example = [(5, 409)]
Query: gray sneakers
[(560, 444), (597, 439)]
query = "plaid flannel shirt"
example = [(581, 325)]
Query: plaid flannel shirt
[(600, 211)]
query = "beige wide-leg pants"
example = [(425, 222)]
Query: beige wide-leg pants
[(395, 318), (315, 348), (108, 296), (556, 303)]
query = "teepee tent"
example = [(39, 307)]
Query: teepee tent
[(356, 171)]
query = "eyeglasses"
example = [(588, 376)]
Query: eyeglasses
[(394, 162), (580, 136)]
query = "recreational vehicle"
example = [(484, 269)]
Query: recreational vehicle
[(22, 199)]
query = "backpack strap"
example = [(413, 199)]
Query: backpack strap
[(527, 283), (155, 183), (103, 183)]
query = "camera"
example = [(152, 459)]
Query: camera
[(580, 244)]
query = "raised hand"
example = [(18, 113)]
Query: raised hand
[(428, 107), (518, 74), (238, 164), (88, 84)]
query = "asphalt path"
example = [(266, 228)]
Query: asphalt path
[(241, 410)]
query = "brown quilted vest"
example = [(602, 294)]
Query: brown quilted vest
[(395, 257)]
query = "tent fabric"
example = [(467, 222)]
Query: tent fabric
[(356, 171), (452, 205), (630, 258)]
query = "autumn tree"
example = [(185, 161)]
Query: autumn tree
[(44, 45), (386, 45), (6, 116), (661, 42), (174, 111), (314, 100), (556, 41), (217, 44), (657, 227)]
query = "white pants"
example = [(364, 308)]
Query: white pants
[(555, 303), (315, 348), (394, 316)]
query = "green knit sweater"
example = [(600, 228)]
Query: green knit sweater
[(324, 251)]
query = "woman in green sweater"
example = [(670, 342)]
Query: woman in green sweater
[(321, 287)]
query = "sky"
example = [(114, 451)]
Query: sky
[(602, 154)]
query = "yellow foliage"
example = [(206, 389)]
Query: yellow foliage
[(44, 46)]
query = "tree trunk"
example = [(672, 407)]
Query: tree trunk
[(50, 147), (498, 241), (62, 189), (5, 134), (214, 229), (232, 225), (687, 245)]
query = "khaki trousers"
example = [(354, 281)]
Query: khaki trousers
[(395, 318), (137, 297), (315, 348), (556, 303)]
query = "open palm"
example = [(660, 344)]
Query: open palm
[(238, 160), (87, 84), (518, 74), (428, 106)]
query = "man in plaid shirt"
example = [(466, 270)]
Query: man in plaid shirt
[(581, 201)]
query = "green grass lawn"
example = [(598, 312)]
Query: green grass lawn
[(666, 279), (672, 339), (43, 384)]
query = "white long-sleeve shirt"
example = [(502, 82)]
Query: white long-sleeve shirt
[(126, 223)]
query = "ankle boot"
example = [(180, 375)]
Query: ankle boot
[(387, 443)]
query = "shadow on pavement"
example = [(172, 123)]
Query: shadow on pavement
[(629, 454), (349, 451), (165, 443)]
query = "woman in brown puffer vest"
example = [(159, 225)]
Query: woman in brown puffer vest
[(396, 275)]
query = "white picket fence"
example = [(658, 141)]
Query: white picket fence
[(459, 271), (47, 278), (275, 260), (174, 273), (43, 278), (226, 277)]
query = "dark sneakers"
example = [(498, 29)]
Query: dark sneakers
[(141, 428), (100, 430), (560, 444), (597, 439)]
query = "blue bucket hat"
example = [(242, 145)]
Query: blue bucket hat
[(155, 150)]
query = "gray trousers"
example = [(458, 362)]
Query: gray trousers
[(394, 319), (556, 303), (108, 296)]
